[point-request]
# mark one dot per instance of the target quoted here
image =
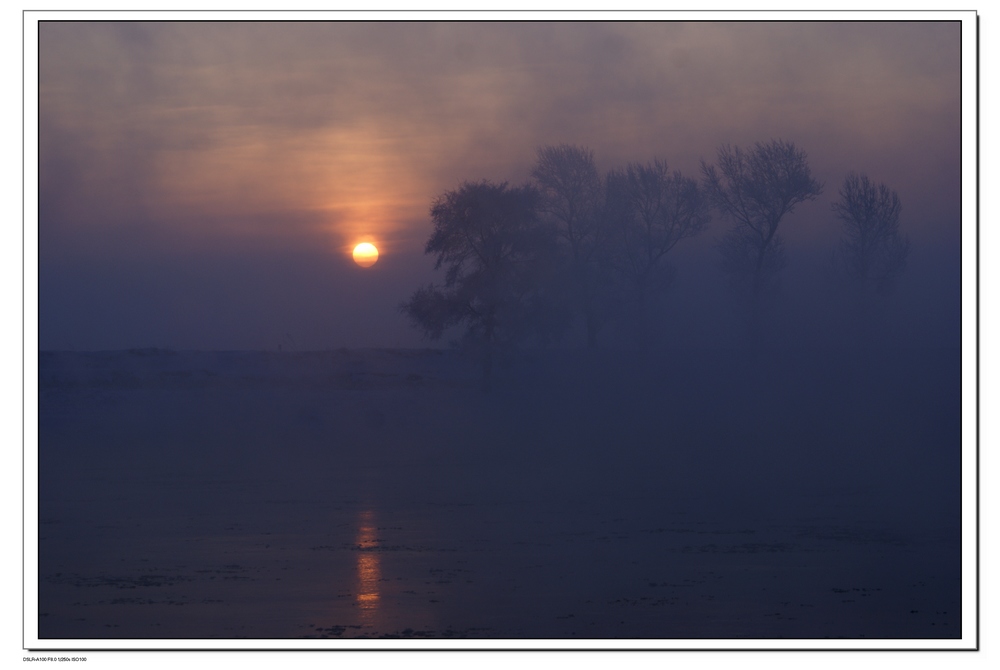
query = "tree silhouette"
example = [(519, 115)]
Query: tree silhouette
[(572, 198), (756, 189), (652, 210), (495, 252), (872, 249)]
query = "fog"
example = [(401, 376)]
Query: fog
[(240, 154), (663, 341)]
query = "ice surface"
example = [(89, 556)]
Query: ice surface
[(376, 493)]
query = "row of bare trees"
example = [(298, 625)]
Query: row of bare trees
[(525, 262)]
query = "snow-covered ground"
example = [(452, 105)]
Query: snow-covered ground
[(380, 493)]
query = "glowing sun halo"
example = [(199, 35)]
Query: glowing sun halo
[(365, 254)]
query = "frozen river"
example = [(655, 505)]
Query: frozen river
[(378, 494)]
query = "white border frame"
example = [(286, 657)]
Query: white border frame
[(970, 492)]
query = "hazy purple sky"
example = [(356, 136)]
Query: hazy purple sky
[(201, 184)]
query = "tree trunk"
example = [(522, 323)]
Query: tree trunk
[(757, 289), (753, 323), (642, 321), (487, 355), (593, 327)]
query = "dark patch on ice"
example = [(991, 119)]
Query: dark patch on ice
[(746, 531), (745, 548), (142, 581), (146, 601), (336, 630), (854, 535)]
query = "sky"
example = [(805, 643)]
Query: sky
[(201, 185)]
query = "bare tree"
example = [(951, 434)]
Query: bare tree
[(747, 269), (652, 210), (571, 190), (572, 198), (872, 248), (494, 249), (756, 189), (873, 251)]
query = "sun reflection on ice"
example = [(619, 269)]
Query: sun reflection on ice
[(369, 567)]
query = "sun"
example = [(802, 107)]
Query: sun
[(365, 254)]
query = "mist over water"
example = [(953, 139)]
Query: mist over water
[(382, 494)]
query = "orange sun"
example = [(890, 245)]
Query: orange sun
[(365, 254)]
